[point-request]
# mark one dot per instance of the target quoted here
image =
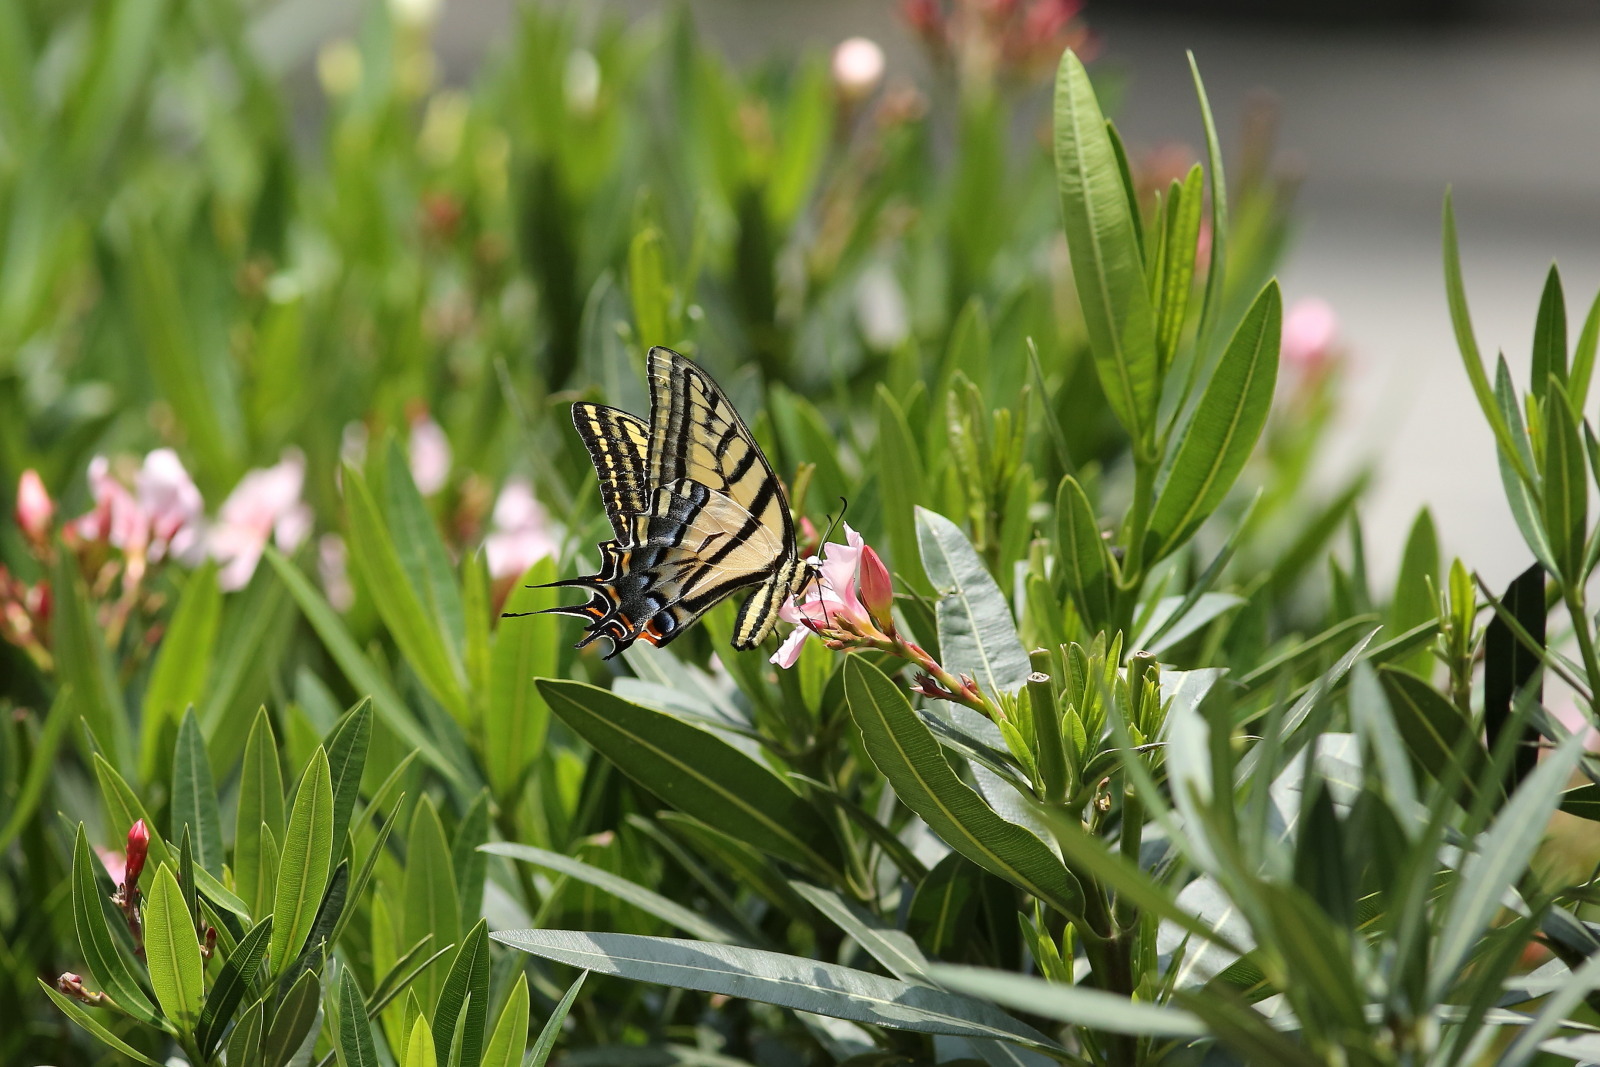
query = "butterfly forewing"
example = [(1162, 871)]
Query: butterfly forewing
[(697, 512)]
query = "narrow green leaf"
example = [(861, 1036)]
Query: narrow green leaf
[(382, 573), (696, 772), (1093, 1008), (1106, 258), (511, 1029), (237, 975), (244, 1043), (632, 892), (260, 802), (420, 1046), (41, 766), (1566, 485), (1180, 245), (95, 940), (464, 999), (1216, 271), (943, 905), (319, 939), (1082, 551), (123, 809), (1417, 588), (172, 952), (539, 1054), (429, 893), (194, 797), (292, 1022), (1583, 357), (82, 656), (346, 747), (1433, 728), (422, 554), (775, 978), (356, 1046), (977, 635), (517, 718), (1550, 335), (1222, 432), (357, 667), (303, 868), (895, 949), (907, 754), (182, 663), (78, 1014), (903, 486), (471, 866)]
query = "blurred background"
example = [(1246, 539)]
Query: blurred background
[(1379, 105)]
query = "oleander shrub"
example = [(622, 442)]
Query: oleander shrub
[(1092, 741)]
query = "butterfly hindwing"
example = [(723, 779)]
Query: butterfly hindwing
[(697, 512)]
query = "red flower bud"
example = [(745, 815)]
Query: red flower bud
[(72, 985), (35, 509), (138, 849), (875, 589)]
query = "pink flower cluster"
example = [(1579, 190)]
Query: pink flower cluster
[(985, 38)]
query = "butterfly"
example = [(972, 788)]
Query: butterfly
[(696, 512)]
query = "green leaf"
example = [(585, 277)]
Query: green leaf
[(347, 758), (1566, 486), (319, 940), (775, 978), (471, 866), (429, 893), (1222, 431), (244, 1044), (1456, 295), (123, 809), (83, 1018), (647, 286), (303, 868), (511, 1029), (517, 718), (1106, 259), (237, 975), (1179, 245), (194, 797), (1084, 558), (1500, 857), (182, 663), (383, 575), (422, 555), (539, 1054), (907, 754), (1583, 356), (260, 803), (464, 999), (1433, 728), (976, 633), (1550, 335), (1216, 272), (357, 667), (632, 892), (1417, 588), (903, 485), (942, 907), (41, 766), (172, 952), (895, 949), (95, 940), (1093, 1008), (293, 1021), (420, 1047), (696, 772), (356, 1046), (81, 656)]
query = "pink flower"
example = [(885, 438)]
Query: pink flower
[(333, 569), (430, 455), (35, 509), (138, 850), (831, 604), (519, 534), (117, 517), (115, 863), (265, 504), (857, 68), (1310, 333), (171, 503), (1566, 711)]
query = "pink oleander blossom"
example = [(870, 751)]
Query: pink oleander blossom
[(519, 532), (830, 600), (35, 509), (116, 517), (333, 569), (264, 505), (430, 455), (173, 507), (1310, 333)]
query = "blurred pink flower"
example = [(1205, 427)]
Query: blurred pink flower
[(519, 532), (35, 509), (1310, 333), (857, 68), (172, 505), (115, 863), (1569, 714), (265, 504), (430, 455), (333, 569), (831, 602), (117, 516)]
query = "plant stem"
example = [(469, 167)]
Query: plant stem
[(1580, 626)]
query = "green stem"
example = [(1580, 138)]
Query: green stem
[(1580, 626), (1132, 839)]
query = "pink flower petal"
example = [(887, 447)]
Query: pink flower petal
[(788, 653)]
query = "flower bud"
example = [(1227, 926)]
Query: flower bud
[(857, 68), (138, 849), (35, 509), (876, 591)]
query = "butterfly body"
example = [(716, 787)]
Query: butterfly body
[(696, 512)]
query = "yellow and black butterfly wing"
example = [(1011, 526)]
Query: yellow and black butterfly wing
[(706, 518), (618, 445)]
